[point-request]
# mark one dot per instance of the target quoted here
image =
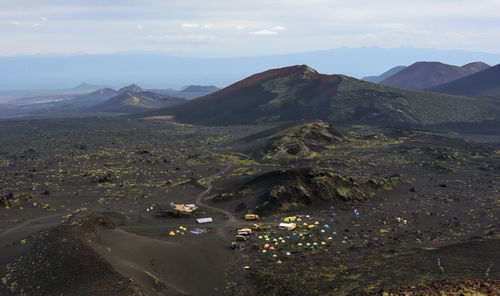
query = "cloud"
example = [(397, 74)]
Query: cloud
[(190, 25), (183, 39), (278, 28), (263, 32), (300, 25), (454, 35), (44, 19), (139, 27), (36, 25)]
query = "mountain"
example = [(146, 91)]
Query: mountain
[(132, 87), (98, 95), (87, 87), (133, 102), (300, 93), (486, 82), (422, 75), (386, 74)]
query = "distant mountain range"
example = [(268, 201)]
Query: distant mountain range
[(301, 93), (422, 75), (128, 99), (98, 95), (486, 82), (386, 74), (156, 70), (85, 87)]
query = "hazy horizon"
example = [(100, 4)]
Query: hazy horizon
[(160, 70), (180, 55), (245, 28), (162, 44)]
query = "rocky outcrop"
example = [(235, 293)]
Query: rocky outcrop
[(289, 189), (301, 141)]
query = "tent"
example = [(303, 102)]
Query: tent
[(287, 226), (204, 220)]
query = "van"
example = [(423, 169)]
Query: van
[(252, 217)]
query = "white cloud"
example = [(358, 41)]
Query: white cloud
[(44, 19), (36, 25), (459, 24), (190, 38), (455, 35), (190, 25), (263, 32)]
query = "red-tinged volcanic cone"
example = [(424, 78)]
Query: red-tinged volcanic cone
[(299, 93)]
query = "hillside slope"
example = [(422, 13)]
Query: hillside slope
[(189, 92), (298, 141), (133, 102), (486, 82), (64, 261), (300, 93), (295, 188), (422, 75)]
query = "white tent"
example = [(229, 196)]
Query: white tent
[(287, 226), (204, 220)]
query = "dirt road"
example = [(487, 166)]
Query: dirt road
[(231, 221)]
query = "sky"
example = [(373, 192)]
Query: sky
[(217, 28)]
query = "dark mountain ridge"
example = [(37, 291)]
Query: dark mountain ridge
[(486, 82), (300, 93), (422, 75)]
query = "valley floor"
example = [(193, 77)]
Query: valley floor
[(56, 172)]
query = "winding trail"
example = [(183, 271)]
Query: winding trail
[(24, 224), (173, 263), (231, 221)]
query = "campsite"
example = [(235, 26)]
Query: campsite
[(413, 224)]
